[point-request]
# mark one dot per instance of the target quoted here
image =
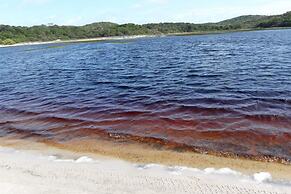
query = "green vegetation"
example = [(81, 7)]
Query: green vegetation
[(248, 21), (16, 34), (7, 41), (258, 21), (276, 21)]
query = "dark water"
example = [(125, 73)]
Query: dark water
[(227, 93)]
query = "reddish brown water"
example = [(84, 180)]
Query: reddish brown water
[(227, 94)]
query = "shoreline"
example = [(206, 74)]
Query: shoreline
[(80, 40), (35, 168), (141, 153), (132, 37)]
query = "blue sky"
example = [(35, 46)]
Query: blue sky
[(78, 12)]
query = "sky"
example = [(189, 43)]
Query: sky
[(80, 12)]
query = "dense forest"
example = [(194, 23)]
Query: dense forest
[(16, 34)]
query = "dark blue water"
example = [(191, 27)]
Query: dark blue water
[(228, 93)]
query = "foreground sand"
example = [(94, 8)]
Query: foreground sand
[(55, 171), (144, 153), (33, 173)]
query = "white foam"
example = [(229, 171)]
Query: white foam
[(84, 159), (222, 171), (52, 158), (148, 166), (183, 169), (64, 160), (262, 177)]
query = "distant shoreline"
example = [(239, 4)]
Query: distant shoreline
[(21, 35), (80, 40), (138, 36)]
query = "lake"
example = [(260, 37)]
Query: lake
[(225, 93)]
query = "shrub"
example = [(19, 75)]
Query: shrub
[(7, 41)]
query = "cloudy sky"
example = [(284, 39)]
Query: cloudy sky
[(78, 12)]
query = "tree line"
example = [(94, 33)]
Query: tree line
[(16, 34)]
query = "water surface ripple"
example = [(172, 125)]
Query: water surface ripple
[(226, 93)]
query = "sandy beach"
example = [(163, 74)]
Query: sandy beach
[(37, 168), (112, 38), (34, 173)]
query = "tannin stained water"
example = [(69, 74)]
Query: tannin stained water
[(227, 93)]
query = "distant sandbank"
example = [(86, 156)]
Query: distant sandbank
[(80, 40)]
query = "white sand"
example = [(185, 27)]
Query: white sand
[(26, 172), (80, 40)]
